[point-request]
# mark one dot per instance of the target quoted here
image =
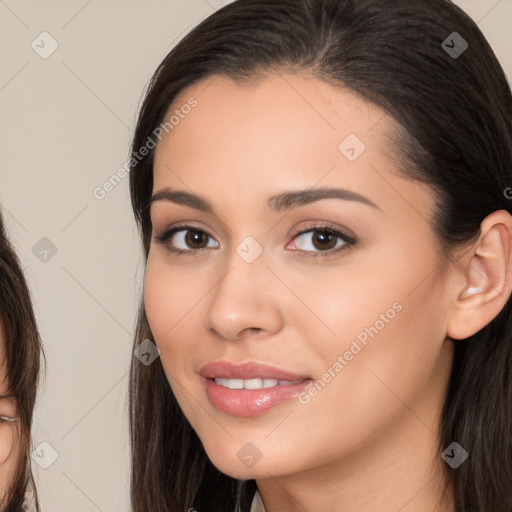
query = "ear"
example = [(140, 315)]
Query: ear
[(486, 271)]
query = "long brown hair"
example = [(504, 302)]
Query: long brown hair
[(454, 110), (22, 350)]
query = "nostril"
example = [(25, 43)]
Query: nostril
[(252, 330)]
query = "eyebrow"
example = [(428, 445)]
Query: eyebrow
[(278, 203)]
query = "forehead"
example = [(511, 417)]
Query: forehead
[(302, 90), (282, 131), (279, 121), (278, 100)]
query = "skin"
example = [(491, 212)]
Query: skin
[(368, 440), (8, 449)]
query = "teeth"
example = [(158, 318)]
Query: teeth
[(259, 383), (253, 383)]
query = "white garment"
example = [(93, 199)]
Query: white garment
[(257, 504)]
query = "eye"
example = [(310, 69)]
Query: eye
[(324, 240), (185, 239)]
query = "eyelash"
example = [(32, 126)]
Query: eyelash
[(349, 241)]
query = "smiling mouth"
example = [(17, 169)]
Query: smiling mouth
[(250, 373), (251, 397), (249, 388), (253, 383)]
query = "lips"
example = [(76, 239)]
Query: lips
[(226, 370), (249, 389)]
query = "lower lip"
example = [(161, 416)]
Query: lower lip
[(250, 402)]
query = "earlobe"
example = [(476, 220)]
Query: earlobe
[(487, 270)]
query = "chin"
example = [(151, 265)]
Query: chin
[(258, 471), (241, 466)]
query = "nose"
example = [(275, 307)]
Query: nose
[(245, 302)]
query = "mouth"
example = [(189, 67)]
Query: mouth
[(253, 383), (249, 389), (248, 371)]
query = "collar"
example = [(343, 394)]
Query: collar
[(257, 504)]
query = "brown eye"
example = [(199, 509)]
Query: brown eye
[(322, 241), (196, 239), (185, 239)]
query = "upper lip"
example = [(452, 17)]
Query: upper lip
[(249, 370)]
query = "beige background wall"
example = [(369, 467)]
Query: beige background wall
[(66, 123)]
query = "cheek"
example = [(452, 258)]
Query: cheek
[(385, 354), (387, 334), (6, 441), (166, 296), (8, 458), (156, 299), (174, 304), (172, 300)]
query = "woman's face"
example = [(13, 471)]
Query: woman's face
[(359, 318), (8, 430)]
